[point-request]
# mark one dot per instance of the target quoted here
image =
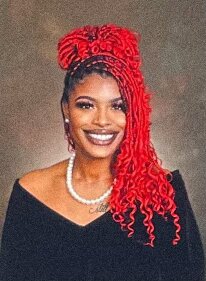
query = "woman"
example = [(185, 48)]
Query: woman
[(110, 212)]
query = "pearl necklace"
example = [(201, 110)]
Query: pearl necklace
[(73, 192)]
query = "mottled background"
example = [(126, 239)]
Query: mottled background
[(173, 51)]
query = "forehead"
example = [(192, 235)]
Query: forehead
[(98, 87)]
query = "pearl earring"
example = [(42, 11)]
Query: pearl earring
[(67, 120)]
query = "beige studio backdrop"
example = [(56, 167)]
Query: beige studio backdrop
[(173, 51)]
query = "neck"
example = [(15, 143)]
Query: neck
[(91, 169)]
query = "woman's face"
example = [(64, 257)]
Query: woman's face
[(96, 113)]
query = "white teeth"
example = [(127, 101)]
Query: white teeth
[(101, 137)]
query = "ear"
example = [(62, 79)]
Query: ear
[(65, 109)]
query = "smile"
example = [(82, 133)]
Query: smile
[(101, 139)]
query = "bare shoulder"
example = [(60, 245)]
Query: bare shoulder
[(38, 180)]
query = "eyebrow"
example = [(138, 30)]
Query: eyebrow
[(93, 99)]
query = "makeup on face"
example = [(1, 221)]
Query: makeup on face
[(87, 102), (97, 116), (99, 137)]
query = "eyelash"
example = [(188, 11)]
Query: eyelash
[(82, 104)]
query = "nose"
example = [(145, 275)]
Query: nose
[(102, 118)]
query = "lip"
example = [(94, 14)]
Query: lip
[(100, 142), (101, 132)]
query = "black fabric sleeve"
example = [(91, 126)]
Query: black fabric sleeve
[(15, 241), (185, 261)]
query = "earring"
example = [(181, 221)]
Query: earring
[(66, 127), (67, 136)]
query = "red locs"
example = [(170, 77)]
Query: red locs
[(107, 40)]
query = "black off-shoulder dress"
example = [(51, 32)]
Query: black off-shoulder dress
[(38, 244)]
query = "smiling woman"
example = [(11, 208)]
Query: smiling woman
[(110, 211)]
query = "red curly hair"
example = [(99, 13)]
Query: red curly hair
[(141, 183)]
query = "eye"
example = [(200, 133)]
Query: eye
[(119, 106), (84, 105)]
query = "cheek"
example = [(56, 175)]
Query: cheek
[(79, 120), (121, 122)]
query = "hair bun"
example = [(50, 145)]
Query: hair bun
[(106, 40)]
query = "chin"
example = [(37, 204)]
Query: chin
[(92, 151), (100, 153)]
